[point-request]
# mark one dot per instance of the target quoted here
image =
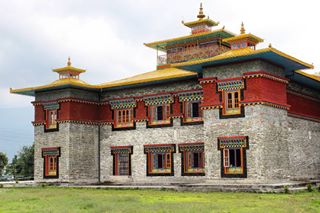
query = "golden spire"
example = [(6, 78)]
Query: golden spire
[(69, 62), (201, 14), (242, 30)]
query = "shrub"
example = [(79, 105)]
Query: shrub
[(309, 187), (1, 185), (286, 189)]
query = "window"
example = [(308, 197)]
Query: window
[(121, 160), (160, 114), (232, 161), (51, 162), (123, 118), (192, 112), (232, 100), (231, 95), (51, 119), (192, 159), (233, 156), (159, 159)]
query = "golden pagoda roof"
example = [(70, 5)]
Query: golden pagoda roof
[(56, 84), (243, 36), (241, 52), (161, 44), (200, 21), (157, 75), (69, 68)]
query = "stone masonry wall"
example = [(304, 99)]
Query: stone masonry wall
[(79, 152), (237, 70), (267, 157), (304, 148), (52, 139)]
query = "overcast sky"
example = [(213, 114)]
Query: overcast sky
[(106, 38)]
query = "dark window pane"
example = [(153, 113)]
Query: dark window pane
[(160, 165), (195, 160), (159, 113), (123, 164), (232, 157), (195, 110), (238, 157)]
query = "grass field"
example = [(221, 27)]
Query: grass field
[(54, 199)]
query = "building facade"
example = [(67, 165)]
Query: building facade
[(215, 108)]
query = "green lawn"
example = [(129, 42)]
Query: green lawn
[(54, 199)]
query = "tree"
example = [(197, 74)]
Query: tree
[(22, 164), (3, 162)]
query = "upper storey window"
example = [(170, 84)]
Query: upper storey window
[(159, 110), (231, 97), (51, 116), (160, 114), (191, 110), (123, 113)]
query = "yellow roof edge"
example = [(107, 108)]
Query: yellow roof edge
[(140, 81), (68, 68), (220, 57), (312, 76), (200, 21), (242, 36), (152, 44), (291, 57), (54, 84)]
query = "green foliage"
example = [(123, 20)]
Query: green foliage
[(3, 162), (22, 164), (309, 187), (286, 189), (1, 185), (58, 199)]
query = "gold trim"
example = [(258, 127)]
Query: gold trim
[(241, 52), (154, 44), (314, 77), (243, 36), (156, 75)]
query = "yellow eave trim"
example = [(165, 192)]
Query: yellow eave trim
[(201, 21), (242, 36), (153, 44), (245, 52), (314, 77), (176, 73), (68, 68)]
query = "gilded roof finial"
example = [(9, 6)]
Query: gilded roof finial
[(69, 62), (201, 14), (242, 30)]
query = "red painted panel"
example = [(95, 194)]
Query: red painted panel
[(176, 107), (105, 113), (141, 113), (303, 106), (210, 97), (39, 114), (264, 89)]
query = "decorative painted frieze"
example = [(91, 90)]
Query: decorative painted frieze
[(190, 96), (123, 103), (158, 100), (232, 142), (230, 85)]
